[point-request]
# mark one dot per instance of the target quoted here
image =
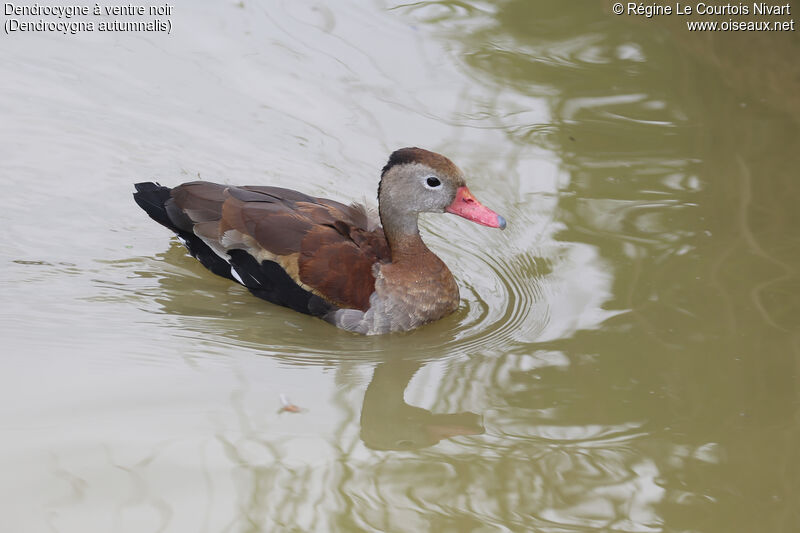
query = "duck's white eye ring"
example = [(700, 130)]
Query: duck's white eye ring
[(432, 182)]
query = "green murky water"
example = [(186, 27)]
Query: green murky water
[(626, 354)]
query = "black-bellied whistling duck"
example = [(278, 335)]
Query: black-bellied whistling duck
[(324, 258)]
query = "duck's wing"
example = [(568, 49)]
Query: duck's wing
[(325, 247)]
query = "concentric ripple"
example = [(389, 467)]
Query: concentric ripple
[(502, 299)]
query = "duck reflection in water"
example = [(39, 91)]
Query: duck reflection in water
[(389, 423)]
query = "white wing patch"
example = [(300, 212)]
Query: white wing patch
[(236, 275)]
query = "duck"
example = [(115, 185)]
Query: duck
[(360, 272)]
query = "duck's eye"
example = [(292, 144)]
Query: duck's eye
[(433, 182)]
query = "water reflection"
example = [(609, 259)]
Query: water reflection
[(389, 423), (537, 465)]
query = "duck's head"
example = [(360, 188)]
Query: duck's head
[(419, 181)]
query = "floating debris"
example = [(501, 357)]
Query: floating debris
[(287, 406)]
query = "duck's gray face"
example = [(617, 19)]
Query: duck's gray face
[(419, 181), (420, 188)]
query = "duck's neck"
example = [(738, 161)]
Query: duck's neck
[(402, 234)]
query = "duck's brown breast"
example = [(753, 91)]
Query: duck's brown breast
[(416, 288)]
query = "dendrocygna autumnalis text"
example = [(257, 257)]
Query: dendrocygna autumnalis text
[(324, 258)]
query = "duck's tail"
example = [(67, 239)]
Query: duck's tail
[(152, 197), (156, 200)]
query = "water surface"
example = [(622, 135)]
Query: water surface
[(625, 357)]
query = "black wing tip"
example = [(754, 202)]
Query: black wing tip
[(152, 197), (148, 186)]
